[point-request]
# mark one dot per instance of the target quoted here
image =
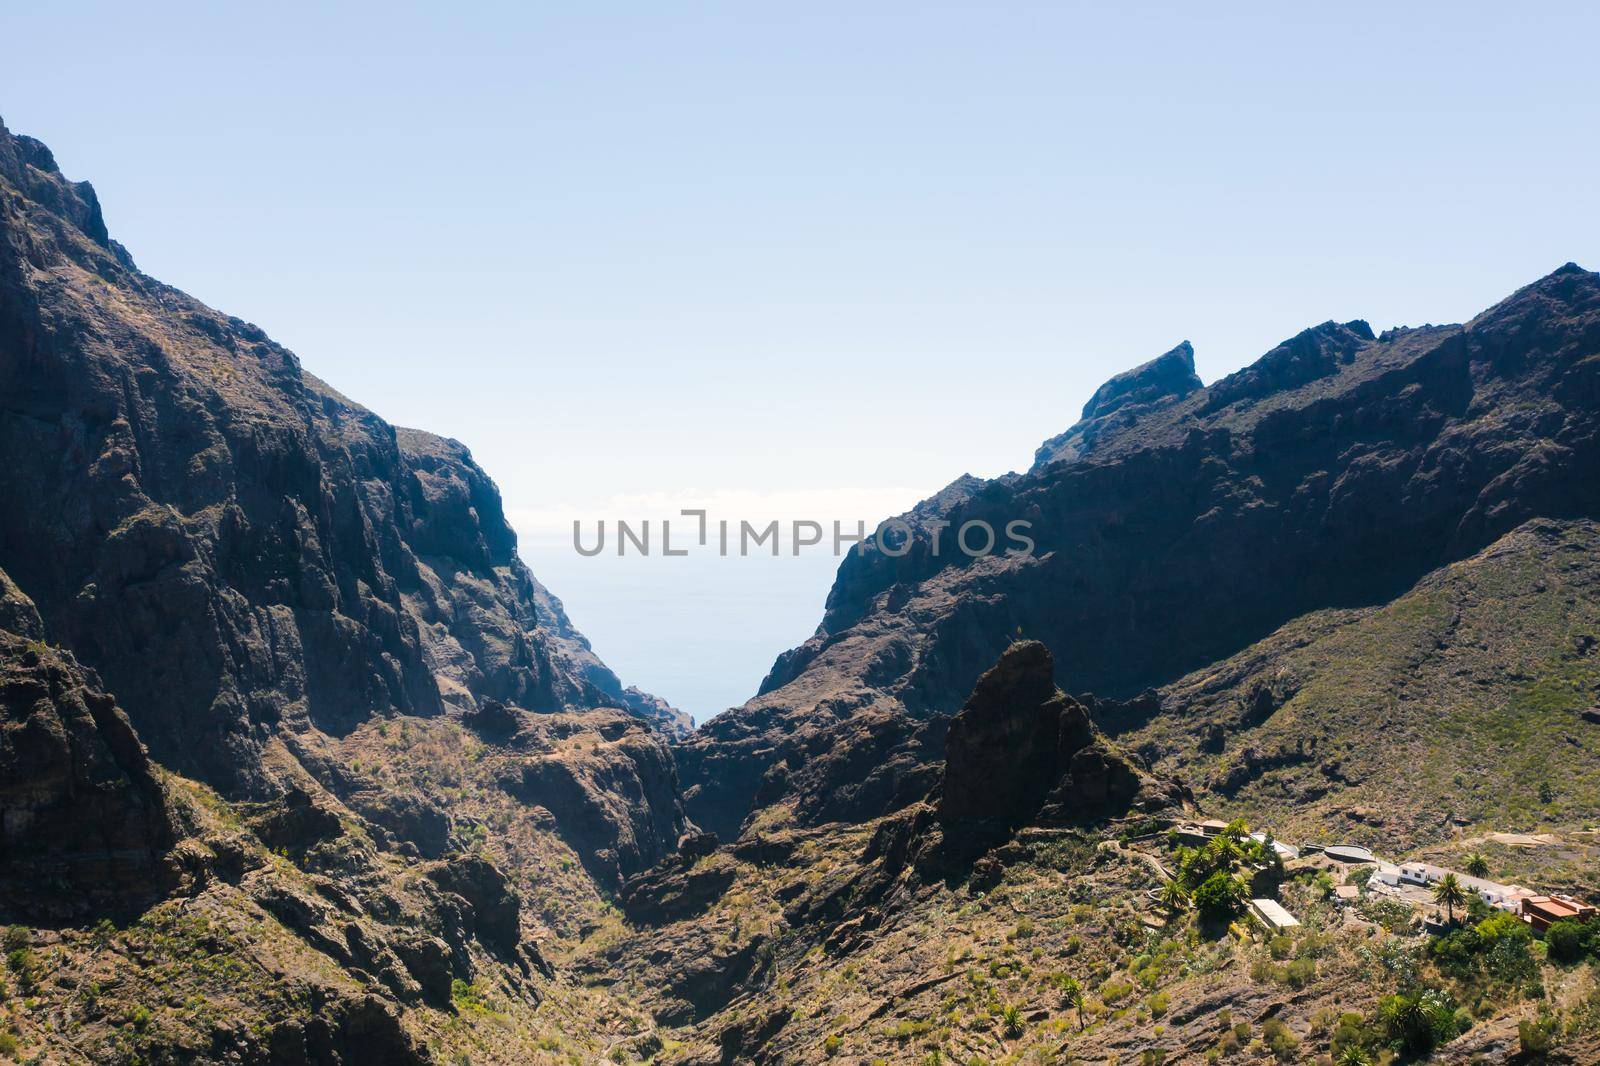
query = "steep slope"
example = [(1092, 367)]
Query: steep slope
[(1471, 700), (1177, 524)]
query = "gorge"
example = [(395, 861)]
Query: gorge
[(300, 763)]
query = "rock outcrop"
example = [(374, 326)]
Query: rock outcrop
[(1023, 752)]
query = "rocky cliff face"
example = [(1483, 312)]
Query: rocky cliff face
[(84, 823), (237, 549), (1176, 524)]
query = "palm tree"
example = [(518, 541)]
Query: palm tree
[(1174, 897), (1449, 894), (1072, 996), (1477, 865)]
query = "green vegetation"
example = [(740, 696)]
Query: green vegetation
[(1537, 1035), (1480, 663), (1072, 996), (1220, 897), (1570, 941), (1498, 951), (1174, 896), (1416, 1022)]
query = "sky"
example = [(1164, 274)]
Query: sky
[(801, 261)]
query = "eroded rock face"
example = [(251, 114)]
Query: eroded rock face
[(84, 823), (610, 784), (1177, 524)]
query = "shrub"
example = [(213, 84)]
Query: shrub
[(1011, 1020), (1536, 1035), (20, 961), (1350, 1035), (906, 1030), (1511, 960), (1281, 947), (1567, 941), (1416, 1022), (1279, 1038), (830, 1046), (1300, 972)]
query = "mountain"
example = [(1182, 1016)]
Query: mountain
[(174, 474), (1176, 524), (270, 672), (300, 766)]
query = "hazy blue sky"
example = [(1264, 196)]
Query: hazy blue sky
[(814, 258)]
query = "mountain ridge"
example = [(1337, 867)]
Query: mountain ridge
[(1337, 469)]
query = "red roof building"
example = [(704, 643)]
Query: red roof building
[(1542, 912)]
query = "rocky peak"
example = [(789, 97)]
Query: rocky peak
[(1334, 472), (1310, 354), (1021, 750), (1164, 380), (1557, 298), (30, 167), (1170, 375), (18, 616)]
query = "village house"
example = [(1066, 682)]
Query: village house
[(1198, 833), (1286, 852), (1426, 875), (1542, 912)]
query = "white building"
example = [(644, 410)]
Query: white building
[(1285, 851), (1426, 875), (1270, 913)]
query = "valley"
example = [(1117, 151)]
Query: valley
[(300, 764)]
